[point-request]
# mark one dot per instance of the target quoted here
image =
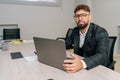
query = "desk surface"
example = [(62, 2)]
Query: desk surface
[(20, 69)]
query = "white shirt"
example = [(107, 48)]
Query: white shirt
[(82, 39), (81, 43)]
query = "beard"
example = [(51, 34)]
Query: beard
[(82, 26)]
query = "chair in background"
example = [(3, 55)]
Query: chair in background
[(67, 35), (69, 31), (11, 33), (112, 40)]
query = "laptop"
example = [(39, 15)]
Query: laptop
[(50, 52)]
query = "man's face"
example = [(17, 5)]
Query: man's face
[(82, 19)]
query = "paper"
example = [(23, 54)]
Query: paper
[(16, 41), (31, 58)]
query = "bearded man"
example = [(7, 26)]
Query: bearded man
[(89, 40)]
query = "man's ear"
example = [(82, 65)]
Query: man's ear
[(90, 17)]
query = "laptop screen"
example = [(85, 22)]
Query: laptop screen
[(50, 52)]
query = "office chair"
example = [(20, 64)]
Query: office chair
[(69, 31), (11, 33), (67, 35), (112, 40)]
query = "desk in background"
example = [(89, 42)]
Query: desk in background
[(20, 69)]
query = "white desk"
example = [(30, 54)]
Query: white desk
[(20, 69)]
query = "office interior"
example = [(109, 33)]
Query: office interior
[(54, 21)]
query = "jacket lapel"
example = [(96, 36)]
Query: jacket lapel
[(88, 35)]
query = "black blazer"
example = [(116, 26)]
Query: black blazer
[(95, 48)]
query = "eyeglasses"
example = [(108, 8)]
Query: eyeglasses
[(81, 15)]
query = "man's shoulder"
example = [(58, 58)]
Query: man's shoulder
[(96, 27), (75, 29), (98, 31)]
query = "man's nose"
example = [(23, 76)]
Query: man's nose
[(79, 18)]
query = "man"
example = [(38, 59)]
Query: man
[(90, 41)]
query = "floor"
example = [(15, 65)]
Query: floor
[(117, 64)]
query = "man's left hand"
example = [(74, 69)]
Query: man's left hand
[(73, 65)]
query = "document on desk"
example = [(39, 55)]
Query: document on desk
[(31, 58)]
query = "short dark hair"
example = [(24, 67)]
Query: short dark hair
[(82, 7)]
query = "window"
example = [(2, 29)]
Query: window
[(53, 3)]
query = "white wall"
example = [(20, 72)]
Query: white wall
[(106, 13), (50, 22), (80, 2)]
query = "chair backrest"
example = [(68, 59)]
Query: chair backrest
[(69, 32), (11, 33), (112, 40)]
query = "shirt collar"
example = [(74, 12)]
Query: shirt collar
[(83, 34)]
